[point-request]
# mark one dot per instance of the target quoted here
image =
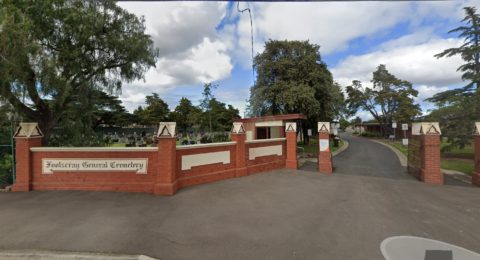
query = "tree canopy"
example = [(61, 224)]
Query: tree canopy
[(459, 108), (155, 112), (292, 78), (387, 100), (55, 52)]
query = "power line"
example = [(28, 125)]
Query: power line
[(251, 34)]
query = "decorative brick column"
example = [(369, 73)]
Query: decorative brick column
[(27, 135), (166, 180), (430, 171), (238, 135), (291, 134), (476, 137), (324, 155)]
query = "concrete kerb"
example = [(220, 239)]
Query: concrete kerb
[(341, 149), (6, 189), (460, 176), (60, 255)]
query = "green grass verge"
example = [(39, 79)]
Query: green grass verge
[(456, 164), (402, 148), (461, 165)]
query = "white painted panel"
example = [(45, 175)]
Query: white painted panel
[(51, 165), (269, 123), (264, 151), (191, 160)]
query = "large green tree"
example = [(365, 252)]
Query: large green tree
[(185, 115), (54, 51), (221, 115), (292, 78), (154, 112), (459, 108), (389, 99)]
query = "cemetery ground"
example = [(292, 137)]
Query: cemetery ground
[(282, 214)]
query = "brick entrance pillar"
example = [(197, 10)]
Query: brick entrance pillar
[(238, 135), (324, 154), (476, 137), (430, 171), (27, 135), (291, 133), (166, 180)]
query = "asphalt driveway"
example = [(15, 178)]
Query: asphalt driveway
[(277, 215)]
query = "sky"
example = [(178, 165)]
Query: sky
[(202, 42)]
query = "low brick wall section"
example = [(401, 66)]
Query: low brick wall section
[(93, 180), (197, 164), (194, 165), (161, 170), (265, 155)]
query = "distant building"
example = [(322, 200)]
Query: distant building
[(267, 127)]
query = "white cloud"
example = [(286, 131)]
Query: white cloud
[(190, 51), (194, 50), (414, 63), (425, 92)]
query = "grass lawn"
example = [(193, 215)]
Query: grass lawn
[(312, 147), (462, 165), (402, 148), (118, 145), (457, 164)]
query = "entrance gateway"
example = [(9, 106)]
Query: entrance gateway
[(164, 169)]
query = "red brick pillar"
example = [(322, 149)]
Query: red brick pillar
[(291, 133), (238, 135), (430, 171), (476, 174), (324, 155), (166, 180), (27, 135)]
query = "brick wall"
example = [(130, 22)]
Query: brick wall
[(267, 162), (207, 172), (169, 167), (106, 181), (476, 174)]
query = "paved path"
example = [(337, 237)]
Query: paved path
[(368, 158), (277, 215)]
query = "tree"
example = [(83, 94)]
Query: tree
[(156, 111), (292, 78), (54, 51), (470, 53), (221, 117), (205, 102), (387, 100), (110, 111), (459, 108), (185, 114)]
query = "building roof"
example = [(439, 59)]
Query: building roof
[(271, 118)]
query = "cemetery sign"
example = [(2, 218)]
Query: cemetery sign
[(137, 165)]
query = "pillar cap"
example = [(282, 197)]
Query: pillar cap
[(238, 128), (324, 127), (477, 128), (426, 128), (290, 127), (166, 129), (28, 130)]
